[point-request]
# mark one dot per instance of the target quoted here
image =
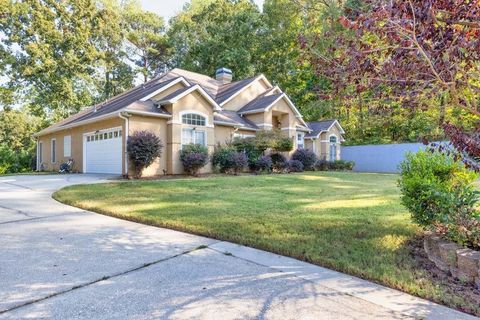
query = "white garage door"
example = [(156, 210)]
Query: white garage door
[(103, 151)]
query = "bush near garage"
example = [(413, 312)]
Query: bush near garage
[(143, 148)]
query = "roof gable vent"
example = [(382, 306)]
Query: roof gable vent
[(224, 75)]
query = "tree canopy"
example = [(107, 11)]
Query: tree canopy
[(389, 71)]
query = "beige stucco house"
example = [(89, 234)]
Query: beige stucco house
[(181, 107)]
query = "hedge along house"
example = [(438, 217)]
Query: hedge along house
[(181, 107)]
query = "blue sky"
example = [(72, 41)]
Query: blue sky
[(168, 8)]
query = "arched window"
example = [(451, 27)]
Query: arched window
[(193, 119), (191, 134), (333, 139)]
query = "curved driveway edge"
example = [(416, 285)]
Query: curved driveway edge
[(60, 262)]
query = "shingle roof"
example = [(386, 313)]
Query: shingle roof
[(147, 106), (114, 104), (260, 103), (234, 118), (175, 93), (219, 91), (318, 127), (228, 90)]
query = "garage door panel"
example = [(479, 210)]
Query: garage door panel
[(104, 155)]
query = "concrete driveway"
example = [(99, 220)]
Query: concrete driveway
[(65, 263)]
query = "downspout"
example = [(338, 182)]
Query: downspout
[(38, 158), (125, 116)]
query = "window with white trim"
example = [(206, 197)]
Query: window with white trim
[(53, 150), (300, 140), (67, 146), (193, 136), (193, 119)]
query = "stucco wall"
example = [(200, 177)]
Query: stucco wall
[(192, 102), (254, 90), (158, 126), (76, 143), (166, 92)]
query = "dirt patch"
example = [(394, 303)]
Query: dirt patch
[(466, 291)]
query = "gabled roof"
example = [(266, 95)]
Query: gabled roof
[(228, 90), (180, 93), (231, 118), (210, 85), (218, 90), (260, 104), (318, 127)]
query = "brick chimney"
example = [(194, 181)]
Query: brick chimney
[(224, 75)]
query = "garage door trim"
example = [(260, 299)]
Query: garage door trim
[(84, 143)]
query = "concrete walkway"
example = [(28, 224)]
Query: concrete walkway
[(59, 262)]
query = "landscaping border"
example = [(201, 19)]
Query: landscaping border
[(461, 262)]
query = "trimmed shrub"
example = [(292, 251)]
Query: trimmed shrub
[(283, 144), (294, 166), (430, 182), (237, 162), (143, 148), (437, 190), (278, 162), (322, 165), (193, 157), (337, 165), (264, 164), (341, 165), (306, 157), (221, 157), (249, 147)]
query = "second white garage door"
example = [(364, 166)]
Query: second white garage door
[(103, 151)]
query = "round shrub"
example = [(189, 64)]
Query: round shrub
[(306, 157), (143, 148), (221, 157), (435, 186), (237, 162), (321, 165), (278, 161), (264, 164), (193, 157), (294, 166), (249, 147), (283, 144)]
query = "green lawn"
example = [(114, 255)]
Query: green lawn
[(349, 222)]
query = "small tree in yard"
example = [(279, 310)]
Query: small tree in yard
[(143, 148), (194, 157)]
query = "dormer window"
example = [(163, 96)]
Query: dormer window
[(193, 119)]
